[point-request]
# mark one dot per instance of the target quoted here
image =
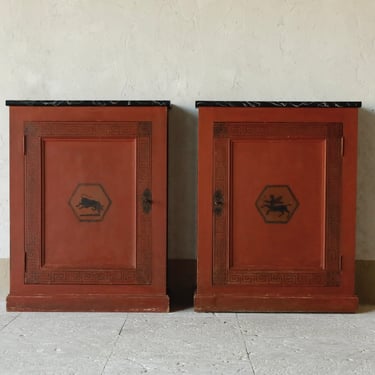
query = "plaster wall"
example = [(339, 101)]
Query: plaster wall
[(184, 50)]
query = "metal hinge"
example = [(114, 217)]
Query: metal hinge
[(342, 146)]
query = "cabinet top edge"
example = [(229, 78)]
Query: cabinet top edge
[(277, 104), (89, 103)]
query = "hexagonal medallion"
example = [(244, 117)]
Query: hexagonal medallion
[(90, 202), (277, 204)]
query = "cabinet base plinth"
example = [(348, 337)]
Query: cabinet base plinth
[(233, 303), (89, 303)]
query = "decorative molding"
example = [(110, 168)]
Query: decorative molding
[(182, 279), (277, 130), (301, 278)]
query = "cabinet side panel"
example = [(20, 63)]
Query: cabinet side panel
[(349, 188), (17, 201), (205, 198), (159, 198)]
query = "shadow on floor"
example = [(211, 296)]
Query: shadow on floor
[(182, 276)]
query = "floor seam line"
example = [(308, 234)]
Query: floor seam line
[(10, 322), (245, 345), (114, 345)]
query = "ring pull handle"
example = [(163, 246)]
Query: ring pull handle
[(218, 202), (147, 201)]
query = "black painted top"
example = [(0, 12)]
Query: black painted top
[(255, 104), (90, 103)]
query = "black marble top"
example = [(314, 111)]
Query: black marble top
[(254, 104), (90, 103)]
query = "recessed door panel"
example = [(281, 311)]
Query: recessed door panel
[(89, 203), (277, 201)]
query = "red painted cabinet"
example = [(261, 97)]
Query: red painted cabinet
[(88, 206), (276, 206)]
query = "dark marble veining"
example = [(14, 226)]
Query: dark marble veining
[(254, 104), (90, 103)]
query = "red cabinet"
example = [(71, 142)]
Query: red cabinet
[(276, 206), (88, 206)]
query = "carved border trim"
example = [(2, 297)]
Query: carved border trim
[(34, 272), (223, 274)]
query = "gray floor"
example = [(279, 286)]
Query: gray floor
[(187, 342)]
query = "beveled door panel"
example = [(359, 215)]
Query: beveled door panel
[(279, 184), (87, 186)]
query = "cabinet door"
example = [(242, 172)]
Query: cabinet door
[(88, 202), (276, 204)]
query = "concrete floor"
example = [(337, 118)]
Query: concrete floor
[(187, 342)]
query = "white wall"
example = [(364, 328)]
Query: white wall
[(185, 50)]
